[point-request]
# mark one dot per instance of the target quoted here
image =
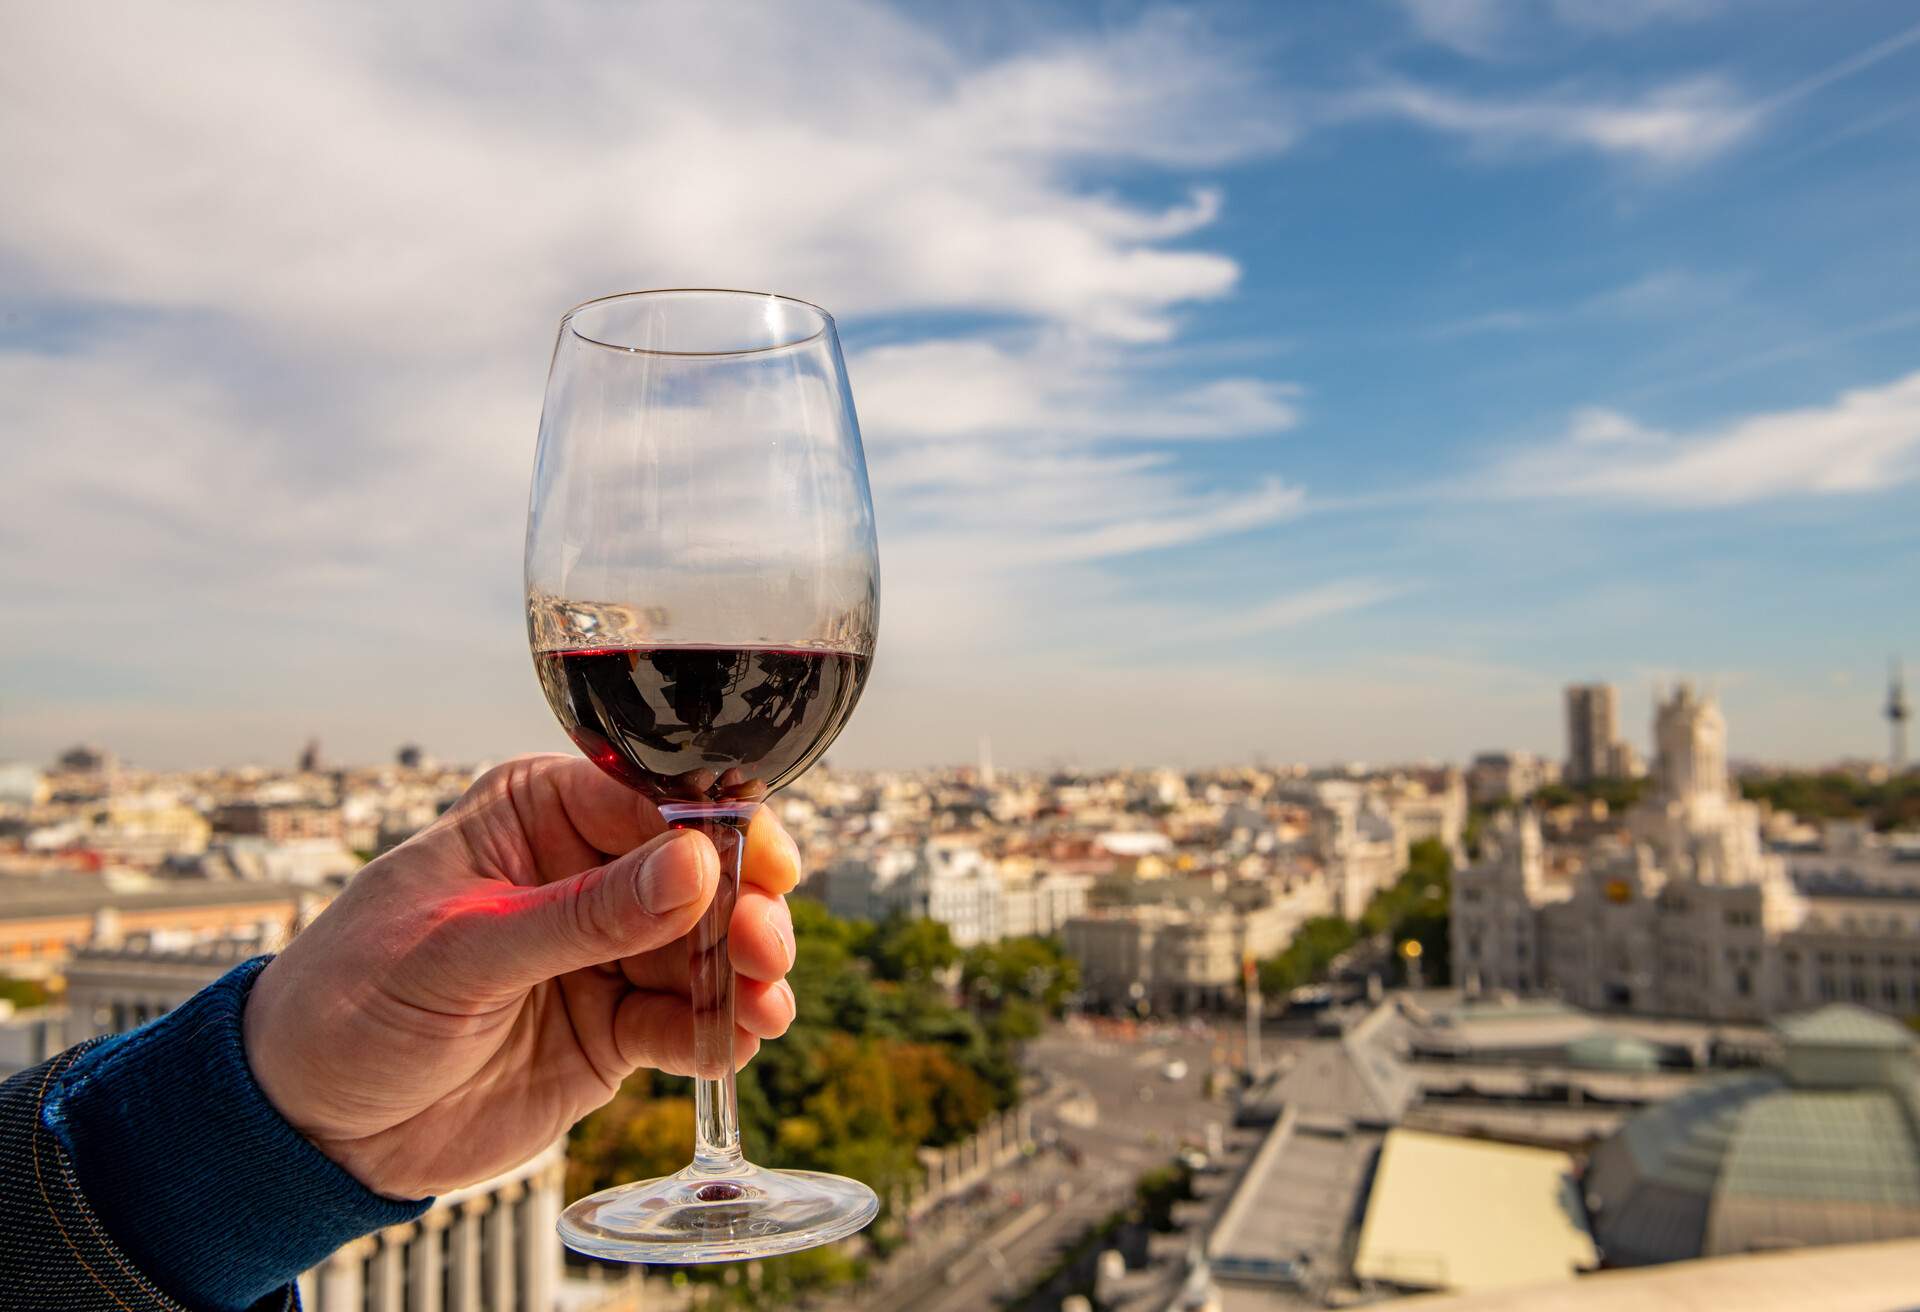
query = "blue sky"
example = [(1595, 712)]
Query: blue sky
[(1303, 381)]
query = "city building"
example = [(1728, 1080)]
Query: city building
[(142, 829), (1448, 1213), (1841, 1278), (1686, 913), (946, 878), (314, 861), (22, 785), (1432, 809), (1594, 747), (1165, 958), (41, 926), (278, 822), (1037, 901), (1497, 777), (114, 987), (1822, 1149), (1360, 840), (487, 1248), (28, 1036), (1495, 922), (1342, 1203), (1898, 713), (86, 759)]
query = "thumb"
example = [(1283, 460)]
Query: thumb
[(634, 903)]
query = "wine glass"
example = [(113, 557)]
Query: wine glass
[(702, 590)]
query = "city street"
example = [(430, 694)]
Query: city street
[(1108, 1112)]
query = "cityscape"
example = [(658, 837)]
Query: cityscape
[(1234, 1038), (1326, 592)]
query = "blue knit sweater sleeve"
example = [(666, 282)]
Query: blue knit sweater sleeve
[(191, 1169)]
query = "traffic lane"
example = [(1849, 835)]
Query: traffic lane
[(996, 1271), (1130, 1135)]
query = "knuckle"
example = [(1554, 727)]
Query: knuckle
[(586, 910)]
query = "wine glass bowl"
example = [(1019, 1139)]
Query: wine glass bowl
[(702, 595)]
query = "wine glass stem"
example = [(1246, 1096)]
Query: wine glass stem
[(716, 1115)]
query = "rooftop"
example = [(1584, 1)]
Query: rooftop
[(1823, 1149), (1289, 1217), (1837, 1278), (1842, 1026), (69, 898), (1451, 1213), (161, 949)]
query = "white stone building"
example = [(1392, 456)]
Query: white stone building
[(1690, 916), (947, 878), (1360, 841), (1176, 959), (1435, 811), (1188, 954), (1508, 776), (1036, 901), (488, 1248)]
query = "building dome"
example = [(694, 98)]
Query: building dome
[(1824, 1149)]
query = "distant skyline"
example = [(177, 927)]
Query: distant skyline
[(1317, 382)]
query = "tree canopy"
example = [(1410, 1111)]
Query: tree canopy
[(1833, 795)]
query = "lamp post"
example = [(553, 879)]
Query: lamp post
[(1250, 976)]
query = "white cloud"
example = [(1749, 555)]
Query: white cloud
[(1681, 123), (1598, 426), (1867, 440), (319, 254), (434, 172), (1056, 384)]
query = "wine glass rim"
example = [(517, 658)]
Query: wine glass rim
[(567, 321)]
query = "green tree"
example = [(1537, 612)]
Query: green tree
[(904, 949), (1834, 795), (1037, 970), (1618, 794), (23, 993), (1306, 959)]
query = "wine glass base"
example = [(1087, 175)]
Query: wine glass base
[(742, 1213)]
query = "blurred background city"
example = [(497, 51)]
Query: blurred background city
[(1386, 770)]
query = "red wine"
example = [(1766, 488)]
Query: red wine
[(702, 724)]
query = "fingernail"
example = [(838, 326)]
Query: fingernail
[(672, 877), (793, 1003)]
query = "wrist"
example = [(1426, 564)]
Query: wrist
[(272, 1040)]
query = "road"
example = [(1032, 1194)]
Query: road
[(1107, 1106)]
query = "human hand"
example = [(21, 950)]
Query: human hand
[(483, 986)]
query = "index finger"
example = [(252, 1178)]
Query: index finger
[(772, 858)]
